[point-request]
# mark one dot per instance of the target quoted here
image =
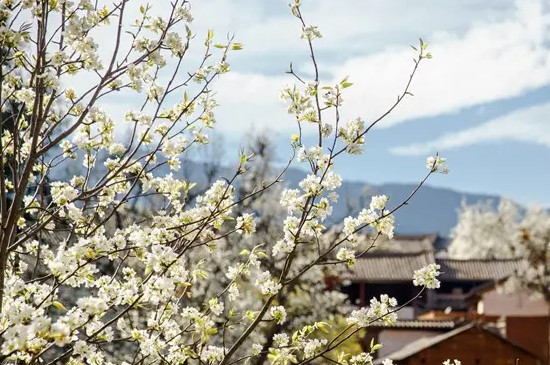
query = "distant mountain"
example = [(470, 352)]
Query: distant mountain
[(431, 210)]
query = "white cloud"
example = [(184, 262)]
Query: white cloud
[(493, 60), (483, 51), (490, 62), (251, 101), (530, 124), (352, 25)]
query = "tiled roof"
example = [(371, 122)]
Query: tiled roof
[(389, 267), (494, 270), (421, 324), (381, 267), (396, 260)]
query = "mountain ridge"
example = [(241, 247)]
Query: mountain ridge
[(431, 210)]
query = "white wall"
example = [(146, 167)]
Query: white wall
[(520, 303), (394, 339)]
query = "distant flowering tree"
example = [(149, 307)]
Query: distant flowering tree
[(506, 233), (194, 280)]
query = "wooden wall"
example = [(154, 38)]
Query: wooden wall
[(473, 347)]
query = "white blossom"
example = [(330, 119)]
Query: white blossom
[(281, 339), (267, 285), (212, 354), (246, 224), (436, 163), (256, 349), (278, 313), (345, 254), (383, 309), (361, 359), (427, 276), (215, 306), (378, 202), (312, 347), (310, 32)]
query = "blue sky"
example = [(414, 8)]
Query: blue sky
[(483, 101)]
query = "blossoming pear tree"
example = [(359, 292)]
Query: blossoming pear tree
[(78, 284), (507, 233)]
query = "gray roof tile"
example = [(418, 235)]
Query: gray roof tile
[(494, 270), (397, 268), (388, 268)]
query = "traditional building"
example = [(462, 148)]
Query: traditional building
[(467, 310), (389, 270), (470, 343)]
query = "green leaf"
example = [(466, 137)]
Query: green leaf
[(376, 347), (345, 83), (142, 9), (237, 46), (251, 315), (243, 159), (323, 326), (219, 45), (59, 306), (165, 114)]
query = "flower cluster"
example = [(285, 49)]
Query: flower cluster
[(278, 314), (437, 164), (311, 32), (427, 276), (351, 133), (347, 255), (267, 285), (383, 309)]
